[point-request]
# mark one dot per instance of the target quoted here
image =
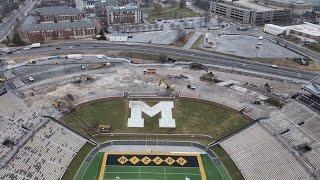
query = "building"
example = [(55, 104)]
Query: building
[(248, 12), (86, 4), (306, 32), (274, 29), (56, 23), (49, 3), (298, 7), (55, 14), (130, 13)]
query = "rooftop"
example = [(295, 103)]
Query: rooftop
[(306, 28), (56, 10), (254, 6), (127, 7), (31, 25)]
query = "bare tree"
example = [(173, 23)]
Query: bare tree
[(181, 33), (206, 18)]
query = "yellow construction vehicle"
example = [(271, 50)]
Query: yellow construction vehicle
[(58, 103), (103, 128), (64, 104), (2, 79), (168, 86)]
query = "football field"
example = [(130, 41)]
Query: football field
[(149, 172), (152, 166)]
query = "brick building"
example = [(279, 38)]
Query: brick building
[(48, 3), (130, 13), (56, 14), (56, 23)]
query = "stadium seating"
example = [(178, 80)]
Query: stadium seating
[(259, 155), (298, 126), (32, 147)]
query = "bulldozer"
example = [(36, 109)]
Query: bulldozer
[(209, 76), (169, 87)]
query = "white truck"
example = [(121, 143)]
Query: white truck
[(35, 45), (74, 56)]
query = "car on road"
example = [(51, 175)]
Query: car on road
[(31, 79), (58, 48), (83, 67), (274, 66)]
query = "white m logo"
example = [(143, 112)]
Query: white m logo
[(165, 107)]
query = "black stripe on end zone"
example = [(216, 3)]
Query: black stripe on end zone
[(154, 160)]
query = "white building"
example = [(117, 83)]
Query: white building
[(274, 29), (306, 32), (85, 4)]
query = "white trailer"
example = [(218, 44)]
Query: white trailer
[(35, 45), (74, 56)]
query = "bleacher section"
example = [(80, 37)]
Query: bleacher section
[(32, 147), (298, 127), (259, 155)]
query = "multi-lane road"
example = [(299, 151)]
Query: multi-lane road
[(7, 26), (194, 55)]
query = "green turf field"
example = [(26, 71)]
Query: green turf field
[(92, 169), (210, 119), (154, 172)]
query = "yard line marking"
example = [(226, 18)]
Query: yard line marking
[(151, 173)]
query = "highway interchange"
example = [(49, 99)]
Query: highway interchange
[(193, 55)]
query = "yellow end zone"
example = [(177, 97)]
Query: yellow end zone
[(105, 157)]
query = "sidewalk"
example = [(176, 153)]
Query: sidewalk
[(192, 40)]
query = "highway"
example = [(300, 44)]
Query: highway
[(194, 55), (6, 27)]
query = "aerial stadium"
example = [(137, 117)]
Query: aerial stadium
[(159, 90)]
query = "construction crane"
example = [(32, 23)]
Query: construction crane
[(168, 86)]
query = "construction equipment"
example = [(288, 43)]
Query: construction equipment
[(101, 128), (168, 86), (99, 66), (209, 76), (65, 104), (2, 78), (85, 78)]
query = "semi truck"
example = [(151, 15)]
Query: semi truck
[(74, 56)]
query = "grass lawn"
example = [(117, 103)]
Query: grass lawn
[(208, 119), (169, 13), (76, 162), (212, 170), (228, 163), (198, 42)]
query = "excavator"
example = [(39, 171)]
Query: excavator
[(64, 103), (169, 87)]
